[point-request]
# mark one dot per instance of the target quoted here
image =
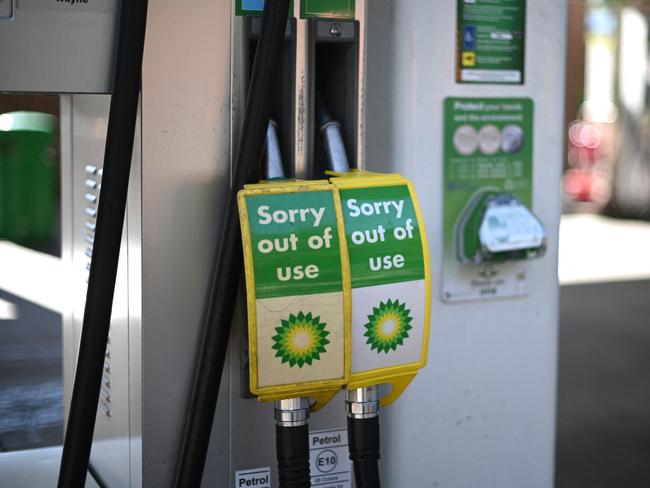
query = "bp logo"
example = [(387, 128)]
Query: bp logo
[(388, 326), (300, 340)]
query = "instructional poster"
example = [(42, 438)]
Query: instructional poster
[(491, 41), (488, 148)]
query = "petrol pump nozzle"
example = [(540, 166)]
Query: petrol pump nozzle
[(330, 130), (273, 167)]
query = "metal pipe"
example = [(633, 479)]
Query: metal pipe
[(332, 134), (273, 168)]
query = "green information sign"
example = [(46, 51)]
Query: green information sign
[(383, 235), (488, 149), (491, 38), (327, 8), (295, 244)]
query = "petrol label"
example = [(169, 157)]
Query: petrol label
[(328, 455), (258, 478), (387, 266)]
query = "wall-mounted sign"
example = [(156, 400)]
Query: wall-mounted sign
[(488, 155), (490, 41)]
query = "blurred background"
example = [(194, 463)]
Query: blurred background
[(603, 411), (603, 420)]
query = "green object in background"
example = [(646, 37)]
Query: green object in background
[(491, 41), (28, 178)]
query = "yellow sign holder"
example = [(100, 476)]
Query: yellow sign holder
[(320, 391), (399, 377)]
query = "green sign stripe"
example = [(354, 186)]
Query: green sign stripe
[(295, 244), (383, 235), (327, 8)]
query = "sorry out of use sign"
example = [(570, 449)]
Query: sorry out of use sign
[(295, 275)]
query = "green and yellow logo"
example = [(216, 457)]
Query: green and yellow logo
[(469, 58), (300, 340), (388, 326)]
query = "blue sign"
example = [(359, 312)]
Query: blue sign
[(469, 37), (253, 5)]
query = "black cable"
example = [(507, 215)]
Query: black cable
[(106, 249), (229, 260), (292, 448), (363, 439)]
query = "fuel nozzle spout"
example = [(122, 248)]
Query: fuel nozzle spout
[(332, 134)]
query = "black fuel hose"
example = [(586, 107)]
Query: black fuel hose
[(292, 448), (106, 249), (228, 263), (363, 439)]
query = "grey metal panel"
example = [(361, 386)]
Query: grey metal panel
[(482, 414), (58, 47), (67, 246), (185, 176), (110, 454), (134, 256)]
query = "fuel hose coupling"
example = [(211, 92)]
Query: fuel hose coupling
[(362, 403), (362, 406), (292, 412)]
